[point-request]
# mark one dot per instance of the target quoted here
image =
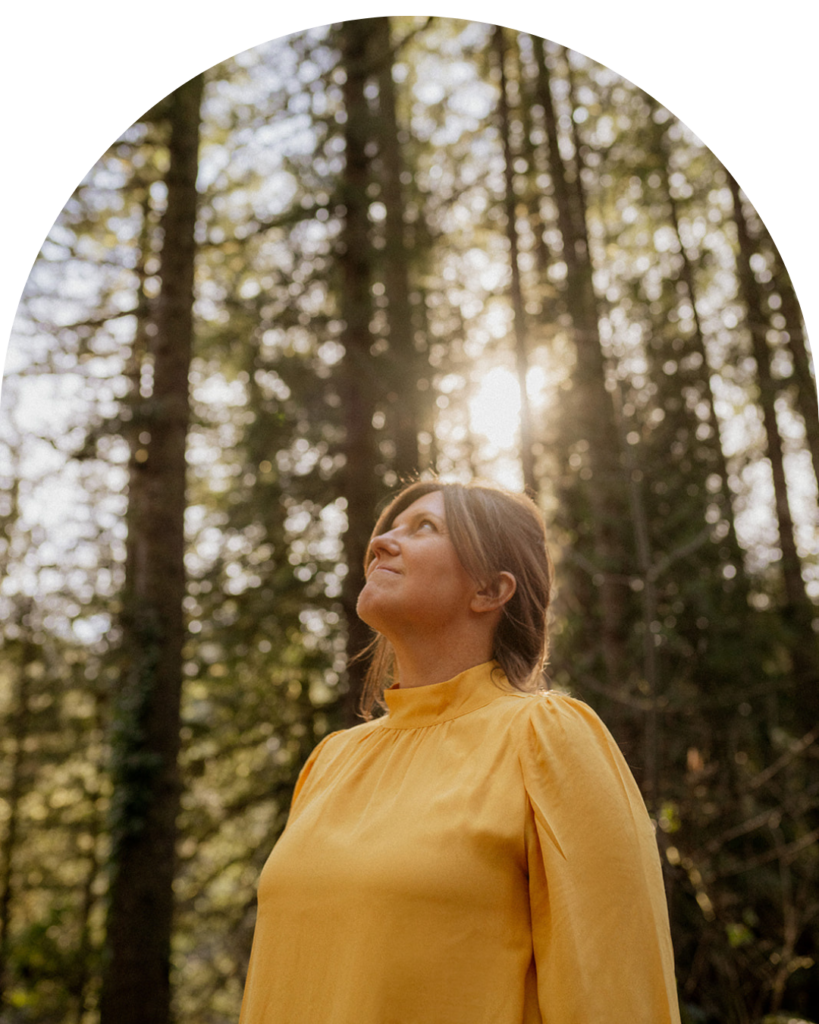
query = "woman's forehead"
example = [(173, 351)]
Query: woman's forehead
[(432, 503)]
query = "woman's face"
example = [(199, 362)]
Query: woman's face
[(416, 585)]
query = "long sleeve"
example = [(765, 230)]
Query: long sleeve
[(600, 927)]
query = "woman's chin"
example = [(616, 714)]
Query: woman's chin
[(371, 611), (366, 610)]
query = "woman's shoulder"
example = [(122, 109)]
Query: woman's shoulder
[(551, 709), (561, 706), (551, 721), (342, 739), (565, 747), (332, 749)]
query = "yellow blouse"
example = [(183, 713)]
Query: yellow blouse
[(476, 856)]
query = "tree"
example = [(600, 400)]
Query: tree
[(359, 385), (515, 288), (146, 744), (784, 305), (403, 357), (592, 414), (798, 606)]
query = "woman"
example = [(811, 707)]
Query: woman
[(481, 853)]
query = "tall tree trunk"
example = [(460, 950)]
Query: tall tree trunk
[(136, 985), (527, 455), (358, 385), (798, 606), (403, 396), (697, 344), (535, 163), (758, 326), (528, 153), (137, 425), (19, 727), (803, 377), (428, 448), (593, 414), (81, 983), (646, 568)]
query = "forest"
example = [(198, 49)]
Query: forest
[(373, 250)]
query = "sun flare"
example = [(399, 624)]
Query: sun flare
[(494, 411)]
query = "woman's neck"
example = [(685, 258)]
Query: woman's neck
[(425, 664)]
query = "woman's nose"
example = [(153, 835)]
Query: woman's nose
[(385, 542)]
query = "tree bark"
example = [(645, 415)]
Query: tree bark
[(645, 565), (18, 732), (527, 455), (137, 422), (136, 984), (803, 377), (358, 385), (757, 327), (799, 609), (403, 396), (697, 342), (592, 410)]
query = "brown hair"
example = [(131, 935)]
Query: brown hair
[(492, 531)]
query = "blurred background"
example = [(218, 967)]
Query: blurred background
[(339, 259)]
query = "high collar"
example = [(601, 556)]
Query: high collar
[(419, 706)]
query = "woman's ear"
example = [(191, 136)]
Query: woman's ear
[(494, 595)]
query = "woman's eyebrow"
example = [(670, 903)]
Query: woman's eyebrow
[(420, 514)]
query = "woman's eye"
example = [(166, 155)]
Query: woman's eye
[(426, 522)]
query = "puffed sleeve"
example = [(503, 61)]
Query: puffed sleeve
[(601, 938)]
